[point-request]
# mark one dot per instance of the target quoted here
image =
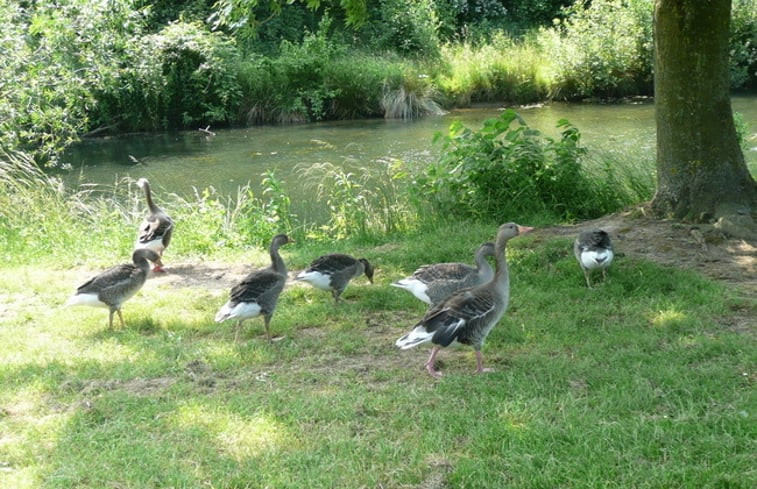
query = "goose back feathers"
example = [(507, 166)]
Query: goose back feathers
[(156, 228), (334, 271), (434, 283), (116, 285), (258, 293), (593, 250), (467, 316)]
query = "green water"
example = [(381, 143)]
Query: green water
[(185, 161)]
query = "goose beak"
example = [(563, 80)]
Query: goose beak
[(524, 229)]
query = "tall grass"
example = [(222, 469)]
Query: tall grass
[(41, 219), (503, 69)]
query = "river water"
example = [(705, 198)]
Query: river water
[(184, 161)]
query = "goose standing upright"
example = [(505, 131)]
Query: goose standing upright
[(259, 292), (467, 316), (593, 249), (434, 283), (156, 229), (334, 271), (116, 285)]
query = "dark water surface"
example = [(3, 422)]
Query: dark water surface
[(181, 162)]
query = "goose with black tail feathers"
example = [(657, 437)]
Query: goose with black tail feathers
[(434, 283), (467, 316), (116, 285), (156, 229), (593, 250), (334, 271), (259, 292)]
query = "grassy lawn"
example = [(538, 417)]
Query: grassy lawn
[(645, 381)]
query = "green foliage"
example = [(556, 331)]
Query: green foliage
[(602, 49), (501, 170), (365, 204), (743, 44), (407, 28), (180, 77), (409, 95), (55, 55), (502, 69), (260, 220)]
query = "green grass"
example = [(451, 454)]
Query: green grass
[(645, 381)]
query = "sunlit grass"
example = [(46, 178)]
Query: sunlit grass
[(640, 379)]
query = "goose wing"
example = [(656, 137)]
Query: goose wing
[(464, 310), (156, 226), (442, 271), (333, 263), (257, 284)]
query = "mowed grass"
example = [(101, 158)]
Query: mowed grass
[(645, 381)]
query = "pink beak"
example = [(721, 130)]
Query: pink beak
[(524, 229)]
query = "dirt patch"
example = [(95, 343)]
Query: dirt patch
[(701, 248)]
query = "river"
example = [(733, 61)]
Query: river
[(180, 162)]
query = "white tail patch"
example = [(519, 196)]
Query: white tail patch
[(415, 337), (316, 279), (242, 310), (596, 259), (415, 287), (85, 300)]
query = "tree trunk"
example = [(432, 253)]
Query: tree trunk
[(701, 172)]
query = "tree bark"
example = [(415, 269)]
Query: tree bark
[(701, 172)]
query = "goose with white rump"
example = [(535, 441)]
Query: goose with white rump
[(467, 316), (259, 291), (156, 228), (434, 283), (593, 250), (116, 285), (334, 271)]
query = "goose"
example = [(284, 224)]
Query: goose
[(593, 249), (433, 283), (468, 315), (116, 285), (334, 271), (156, 228), (259, 291)]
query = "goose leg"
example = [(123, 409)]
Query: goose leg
[(587, 276), (480, 363), (236, 330), (430, 363), (335, 294), (266, 321), (110, 319), (120, 316)]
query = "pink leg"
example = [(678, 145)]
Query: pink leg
[(430, 363), (480, 363)]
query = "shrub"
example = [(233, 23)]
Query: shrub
[(602, 49), (502, 69), (180, 77), (501, 171), (406, 28)]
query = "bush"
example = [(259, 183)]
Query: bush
[(603, 49), (180, 77), (501, 171), (406, 28)]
